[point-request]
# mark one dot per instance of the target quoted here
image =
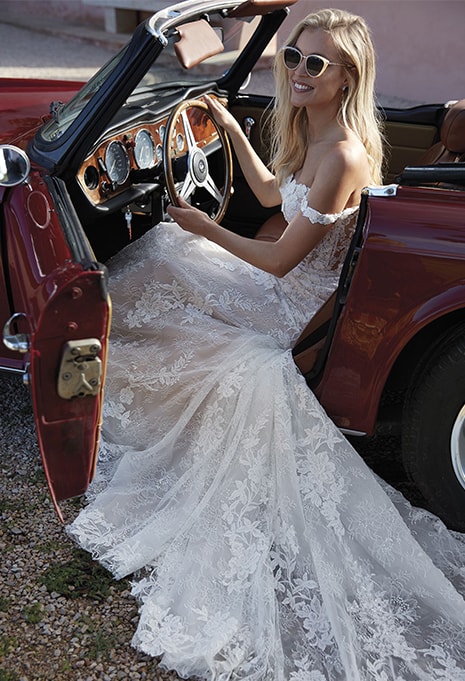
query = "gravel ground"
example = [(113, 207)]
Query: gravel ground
[(62, 617)]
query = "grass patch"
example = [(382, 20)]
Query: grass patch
[(7, 644), (32, 613), (4, 604), (5, 675), (78, 577), (101, 645)]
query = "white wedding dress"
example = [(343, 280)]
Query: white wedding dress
[(262, 546)]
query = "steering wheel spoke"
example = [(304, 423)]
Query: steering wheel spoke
[(188, 187), (203, 137), (212, 189), (190, 139)]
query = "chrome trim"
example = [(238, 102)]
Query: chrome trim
[(386, 190), (12, 370), (18, 342), (457, 447), (355, 433)]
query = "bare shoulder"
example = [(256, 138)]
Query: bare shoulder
[(347, 154)]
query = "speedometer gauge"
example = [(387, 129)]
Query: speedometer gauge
[(144, 149), (117, 162)]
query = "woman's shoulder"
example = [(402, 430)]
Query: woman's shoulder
[(347, 155)]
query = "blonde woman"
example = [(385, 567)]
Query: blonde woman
[(264, 548)]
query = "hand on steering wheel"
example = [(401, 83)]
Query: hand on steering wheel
[(203, 136)]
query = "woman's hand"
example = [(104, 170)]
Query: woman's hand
[(221, 115), (190, 218)]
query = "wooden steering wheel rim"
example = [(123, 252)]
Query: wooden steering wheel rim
[(169, 141)]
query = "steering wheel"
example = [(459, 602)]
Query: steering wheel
[(202, 137)]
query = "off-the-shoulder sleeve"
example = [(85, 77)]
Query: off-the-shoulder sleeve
[(316, 217)]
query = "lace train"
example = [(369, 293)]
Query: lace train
[(261, 545)]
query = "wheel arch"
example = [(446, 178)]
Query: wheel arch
[(416, 353)]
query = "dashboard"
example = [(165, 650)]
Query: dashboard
[(135, 153)]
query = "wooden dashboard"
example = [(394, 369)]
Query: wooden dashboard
[(109, 169)]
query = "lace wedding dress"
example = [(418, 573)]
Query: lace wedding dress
[(262, 546)]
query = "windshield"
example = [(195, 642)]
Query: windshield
[(64, 116), (165, 72)]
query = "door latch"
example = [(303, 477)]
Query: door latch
[(80, 372)]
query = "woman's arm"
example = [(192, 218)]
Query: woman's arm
[(261, 181), (277, 257), (337, 185)]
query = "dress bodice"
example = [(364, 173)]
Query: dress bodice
[(330, 252), (316, 277)]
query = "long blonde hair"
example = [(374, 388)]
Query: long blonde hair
[(358, 112)]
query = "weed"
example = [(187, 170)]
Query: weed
[(5, 675), (80, 576), (100, 645), (4, 604), (32, 613), (7, 644)]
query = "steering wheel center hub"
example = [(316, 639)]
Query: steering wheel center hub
[(198, 167)]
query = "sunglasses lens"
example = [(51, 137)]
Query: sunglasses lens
[(314, 65), (292, 57)]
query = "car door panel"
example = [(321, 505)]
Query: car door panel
[(60, 297)]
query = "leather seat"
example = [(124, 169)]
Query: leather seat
[(451, 147)]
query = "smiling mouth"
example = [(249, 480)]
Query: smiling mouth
[(301, 87)]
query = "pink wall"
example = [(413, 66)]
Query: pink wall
[(419, 43)]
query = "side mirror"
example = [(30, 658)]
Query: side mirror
[(14, 166)]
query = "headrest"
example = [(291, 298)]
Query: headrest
[(453, 128)]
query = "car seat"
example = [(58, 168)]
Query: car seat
[(451, 147)]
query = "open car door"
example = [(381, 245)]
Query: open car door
[(58, 326)]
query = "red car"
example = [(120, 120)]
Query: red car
[(78, 183)]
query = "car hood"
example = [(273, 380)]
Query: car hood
[(25, 102)]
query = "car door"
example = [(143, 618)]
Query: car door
[(59, 315)]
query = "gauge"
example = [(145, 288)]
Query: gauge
[(117, 162), (159, 153), (179, 141), (144, 149), (161, 132)]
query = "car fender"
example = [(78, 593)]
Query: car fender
[(409, 275), (25, 102)]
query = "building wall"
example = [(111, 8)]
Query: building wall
[(70, 10), (419, 43)]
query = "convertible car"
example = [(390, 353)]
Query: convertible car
[(84, 169)]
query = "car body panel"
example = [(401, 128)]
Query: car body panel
[(25, 103), (411, 271)]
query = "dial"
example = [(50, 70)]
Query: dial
[(144, 149), (117, 162), (159, 153), (179, 141)]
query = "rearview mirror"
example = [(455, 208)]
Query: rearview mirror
[(14, 166)]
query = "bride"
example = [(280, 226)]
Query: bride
[(261, 545)]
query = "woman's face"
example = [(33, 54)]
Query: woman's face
[(326, 90)]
